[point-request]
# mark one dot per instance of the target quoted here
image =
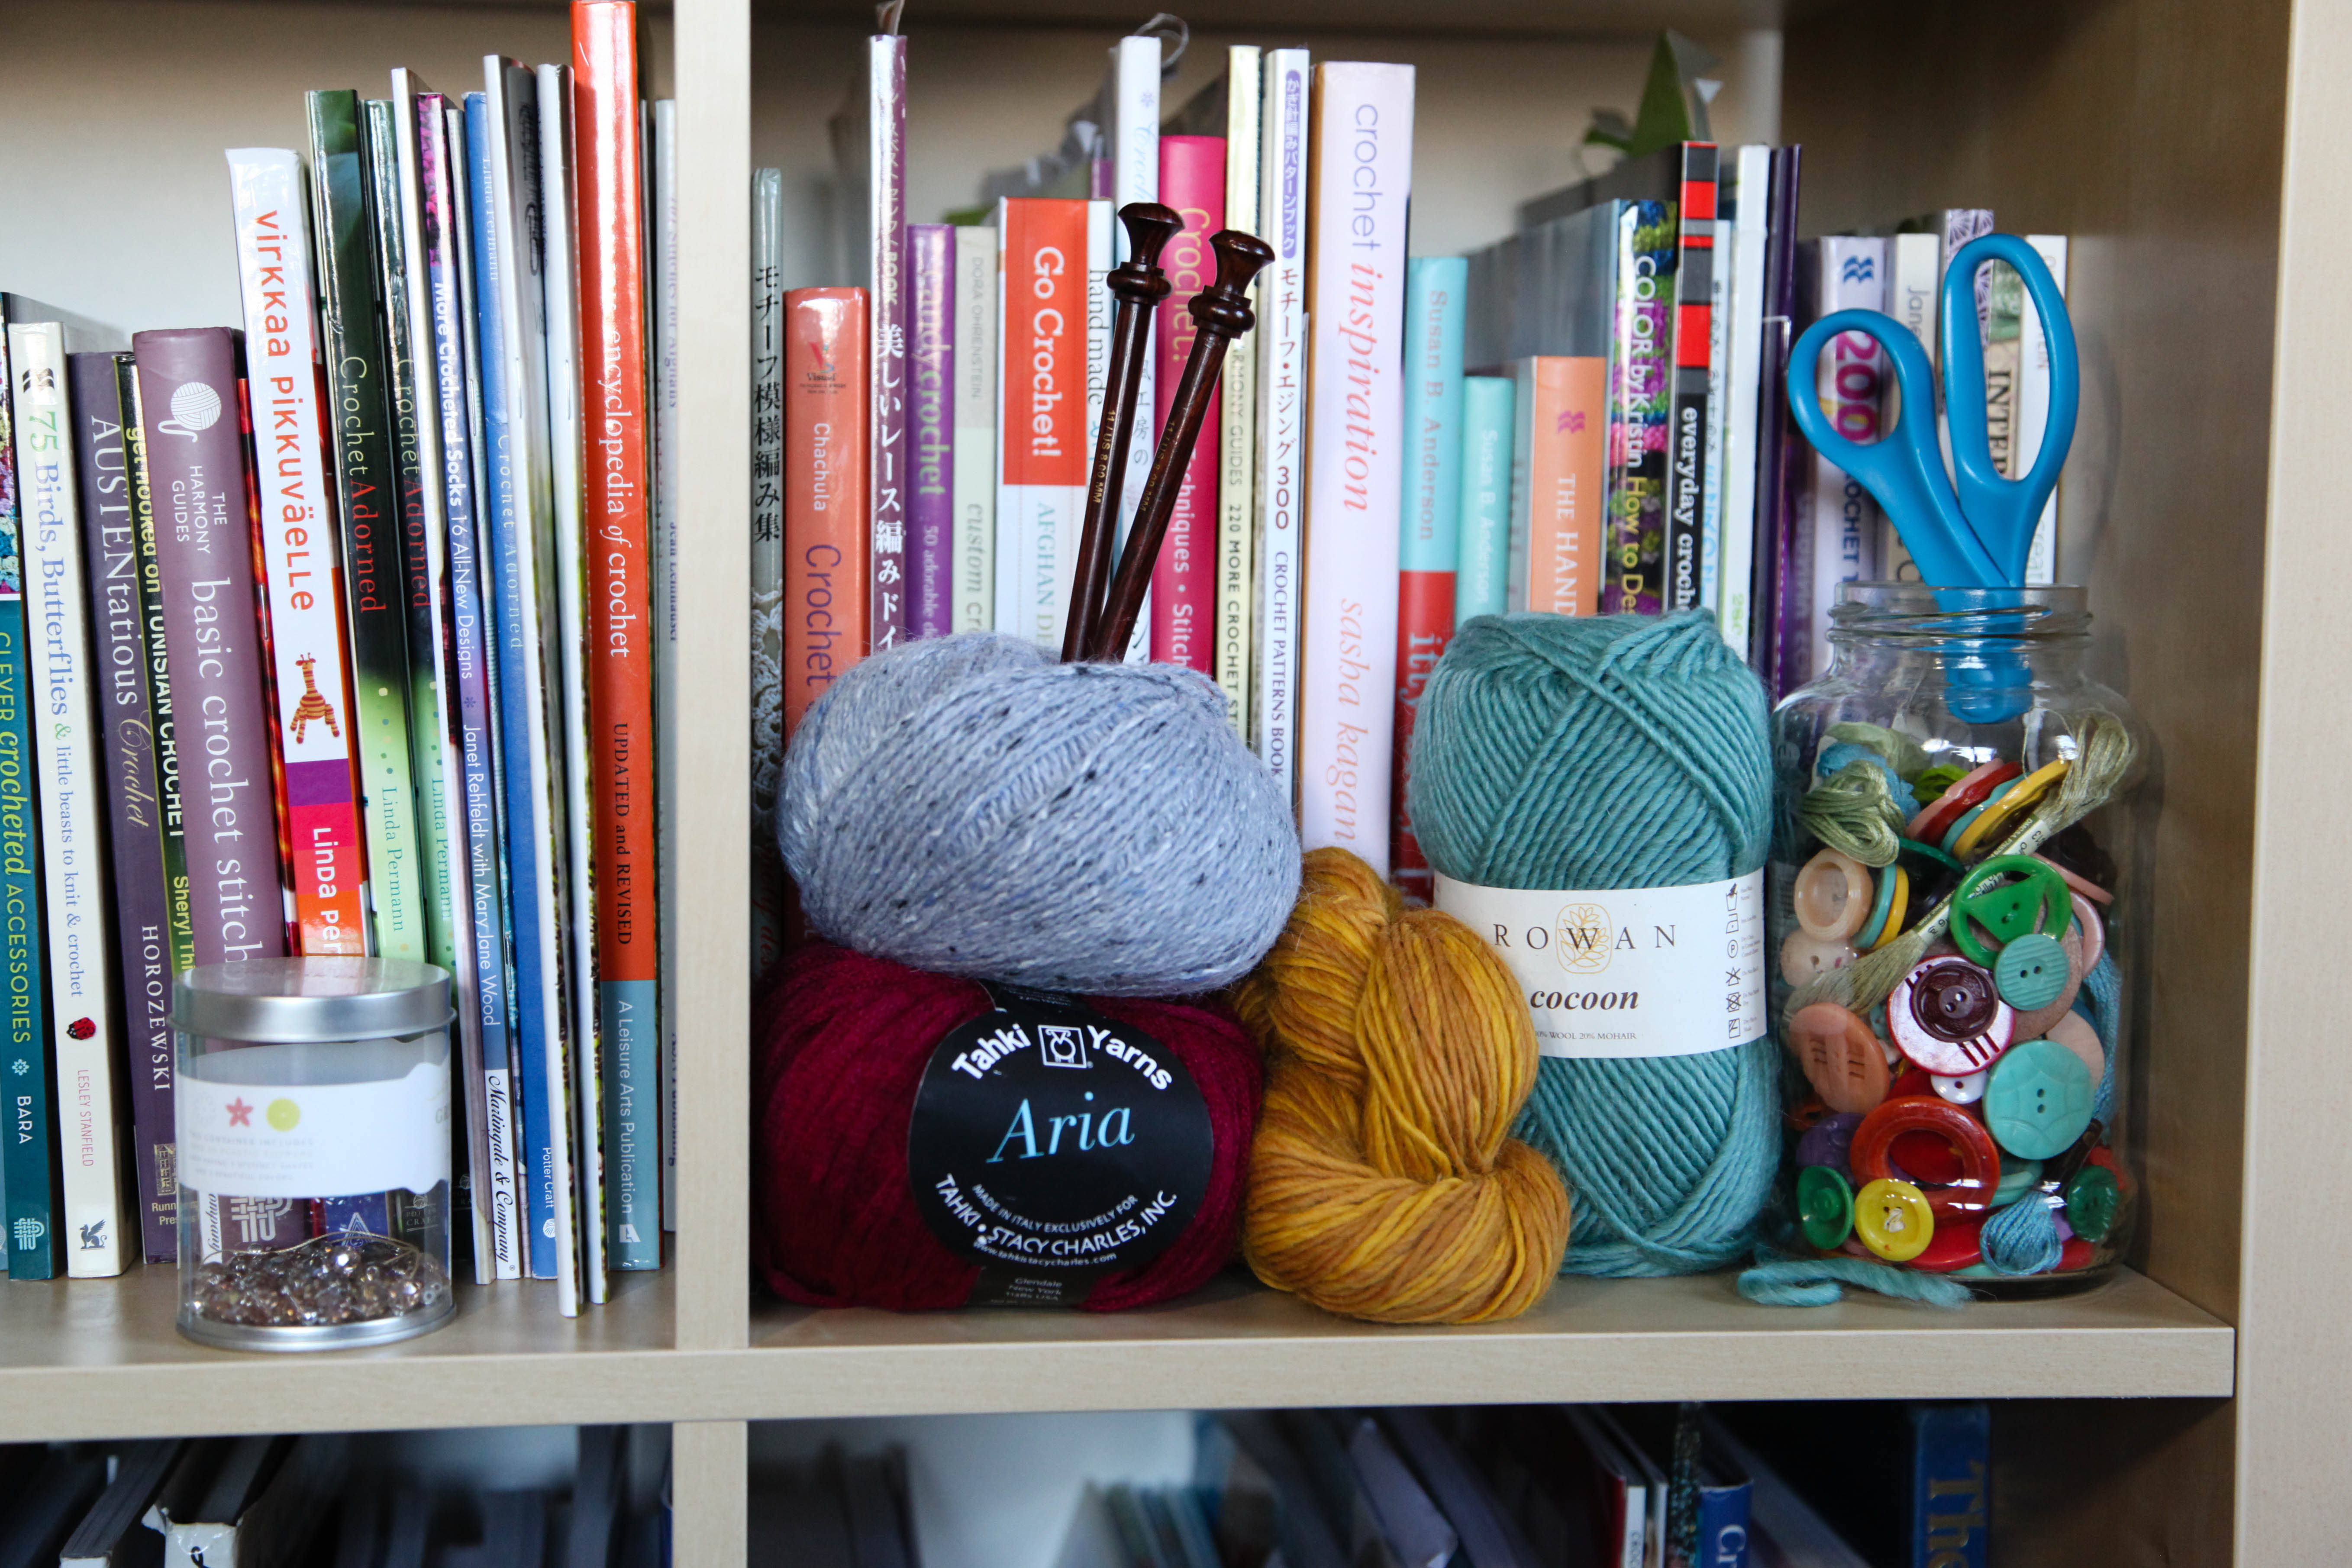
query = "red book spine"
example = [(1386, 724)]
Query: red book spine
[(826, 486), (1184, 580), (1424, 625), (613, 347)]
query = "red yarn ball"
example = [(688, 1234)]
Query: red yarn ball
[(840, 1046)]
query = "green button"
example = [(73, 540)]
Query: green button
[(2093, 1201), (2039, 898), (1824, 1206), (2031, 972), (2039, 1099), (2018, 1177)]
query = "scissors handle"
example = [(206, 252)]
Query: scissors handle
[(2004, 513), (1903, 468)]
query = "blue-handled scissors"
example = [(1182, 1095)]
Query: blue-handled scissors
[(1975, 530)]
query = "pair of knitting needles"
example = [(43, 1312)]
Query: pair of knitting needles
[(1104, 605)]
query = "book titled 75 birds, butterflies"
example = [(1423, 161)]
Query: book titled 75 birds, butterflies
[(305, 611)]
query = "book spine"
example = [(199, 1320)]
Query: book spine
[(1640, 406), (619, 692), (85, 1027), (1483, 565), (1694, 286), (1749, 206), (767, 892), (826, 340), (1041, 428), (468, 767), (504, 186), (299, 542), (886, 84), (1951, 1471), (1845, 518), (1237, 440), (28, 1156), (366, 497), (1914, 279), (1102, 230), (1363, 118), (664, 222), (1719, 391), (115, 505), (1277, 598), (2033, 408), (567, 451), (1183, 578), (179, 927), (1774, 432), (1133, 99), (975, 429), (1558, 462), (930, 432), (1430, 544)]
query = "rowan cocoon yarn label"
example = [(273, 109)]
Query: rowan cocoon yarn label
[(1615, 751), (971, 806), (1050, 1146), (1628, 971)]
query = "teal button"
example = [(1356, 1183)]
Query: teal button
[(2093, 1201), (2038, 1100), (2018, 1177), (2030, 972)]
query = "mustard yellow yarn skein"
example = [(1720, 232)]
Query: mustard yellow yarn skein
[(1384, 1183)]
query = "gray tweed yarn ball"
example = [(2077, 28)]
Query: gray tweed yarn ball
[(973, 807)]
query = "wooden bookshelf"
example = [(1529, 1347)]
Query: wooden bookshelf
[(2196, 154)]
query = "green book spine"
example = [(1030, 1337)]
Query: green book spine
[(29, 1159), (430, 823), (368, 497)]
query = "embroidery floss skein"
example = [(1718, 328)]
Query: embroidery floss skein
[(1615, 751), (1384, 1184), (972, 806), (839, 1050)]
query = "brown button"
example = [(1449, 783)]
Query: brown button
[(1947, 1016), (1804, 956), (1841, 1056), (2095, 932), (1832, 896), (2074, 1032)]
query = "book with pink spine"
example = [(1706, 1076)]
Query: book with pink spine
[(1184, 578)]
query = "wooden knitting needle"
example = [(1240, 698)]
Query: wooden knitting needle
[(1221, 312), (1139, 285)]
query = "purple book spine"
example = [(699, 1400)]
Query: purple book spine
[(212, 630), (931, 374), (887, 105)]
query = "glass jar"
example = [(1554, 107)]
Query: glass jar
[(312, 1106), (1954, 919)]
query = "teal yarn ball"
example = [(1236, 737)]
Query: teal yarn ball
[(1615, 751)]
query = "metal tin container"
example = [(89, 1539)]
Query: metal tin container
[(312, 1105)]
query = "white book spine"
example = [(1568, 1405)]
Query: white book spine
[(975, 429), (566, 465), (2033, 410), (767, 494), (1363, 125), (84, 1029), (1719, 380), (1744, 369), (517, 177), (1281, 351), (1913, 276), (1237, 451), (1845, 518), (664, 582), (1135, 178)]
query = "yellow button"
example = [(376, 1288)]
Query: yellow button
[(1894, 1220), (1995, 819), (1896, 907)]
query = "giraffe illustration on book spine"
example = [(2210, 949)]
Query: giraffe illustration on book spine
[(313, 708)]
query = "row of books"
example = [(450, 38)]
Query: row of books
[(924, 431), (313, 1501), (834, 1511), (326, 662), (1630, 1486)]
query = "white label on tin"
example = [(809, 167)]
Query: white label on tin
[(242, 1135), (1628, 971)]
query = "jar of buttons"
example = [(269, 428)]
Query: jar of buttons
[(1954, 918)]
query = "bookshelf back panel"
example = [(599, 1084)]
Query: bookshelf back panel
[(2151, 132), (114, 186)]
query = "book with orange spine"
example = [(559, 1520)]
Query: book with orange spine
[(610, 198), (826, 537), (1559, 469)]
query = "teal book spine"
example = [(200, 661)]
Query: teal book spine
[(1483, 569), (1429, 541), (28, 1164)]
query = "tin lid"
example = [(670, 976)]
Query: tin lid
[(288, 1001)]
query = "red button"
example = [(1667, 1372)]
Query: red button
[(1966, 794), (1916, 1081), (2075, 1254), (1956, 1244), (1924, 1159), (1971, 1146)]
